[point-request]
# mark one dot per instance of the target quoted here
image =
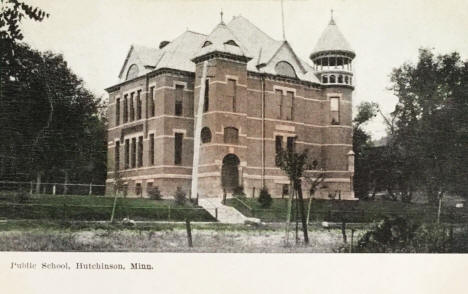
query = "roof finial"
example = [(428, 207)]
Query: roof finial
[(332, 21), (221, 13), (282, 21)]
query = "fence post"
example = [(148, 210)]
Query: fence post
[(90, 188), (30, 187), (169, 216), (53, 189), (189, 232)]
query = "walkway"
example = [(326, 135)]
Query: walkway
[(225, 214)]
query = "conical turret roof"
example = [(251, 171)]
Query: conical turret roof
[(332, 40)]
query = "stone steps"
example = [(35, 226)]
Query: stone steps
[(225, 214)]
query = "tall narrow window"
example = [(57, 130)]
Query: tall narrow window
[(152, 107), (289, 106), (127, 153), (132, 107), (279, 99), (117, 155), (206, 103), (133, 155), (117, 111), (278, 149), (231, 93), (140, 151), (138, 104), (231, 135), (335, 110), (178, 148), (151, 149), (179, 97), (125, 109), (291, 144)]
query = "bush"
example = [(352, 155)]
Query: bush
[(396, 234), (180, 196), (238, 191), (22, 197), (265, 198), (154, 193)]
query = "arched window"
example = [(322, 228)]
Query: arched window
[(231, 135), (231, 42), (132, 72), (346, 80), (340, 79), (332, 79), (283, 68), (205, 135), (325, 79), (207, 43)]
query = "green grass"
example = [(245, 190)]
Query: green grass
[(349, 211), (97, 208)]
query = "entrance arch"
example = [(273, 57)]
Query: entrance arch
[(230, 172)]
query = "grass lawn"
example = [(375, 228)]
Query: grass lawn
[(349, 211), (77, 207)]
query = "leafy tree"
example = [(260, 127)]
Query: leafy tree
[(265, 198), (431, 126)]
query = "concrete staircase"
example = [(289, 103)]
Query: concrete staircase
[(224, 214)]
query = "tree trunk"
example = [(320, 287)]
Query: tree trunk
[(65, 186), (288, 216), (296, 218), (298, 187), (38, 182)]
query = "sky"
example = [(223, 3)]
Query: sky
[(95, 36)]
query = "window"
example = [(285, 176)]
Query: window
[(346, 80), (132, 72), (132, 108), (206, 102), (125, 109), (283, 68), (127, 153), (231, 93), (179, 96), (231, 42), (278, 149), (138, 104), (133, 155), (335, 110), (152, 110), (140, 151), (340, 79), (117, 111), (325, 79), (231, 135), (279, 99), (205, 135), (151, 149), (117, 155), (138, 189), (332, 79), (178, 148), (207, 43), (149, 187), (291, 144), (289, 106), (285, 191)]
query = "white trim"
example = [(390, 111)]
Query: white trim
[(224, 145), (284, 89)]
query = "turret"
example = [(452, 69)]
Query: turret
[(332, 57)]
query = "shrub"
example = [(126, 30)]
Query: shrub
[(154, 193), (180, 196), (265, 198), (22, 196), (238, 191)]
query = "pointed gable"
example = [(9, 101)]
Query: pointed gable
[(222, 40)]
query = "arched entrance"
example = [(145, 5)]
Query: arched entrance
[(230, 172)]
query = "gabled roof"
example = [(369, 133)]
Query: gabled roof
[(332, 40), (221, 39)]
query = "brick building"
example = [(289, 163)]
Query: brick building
[(258, 97)]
